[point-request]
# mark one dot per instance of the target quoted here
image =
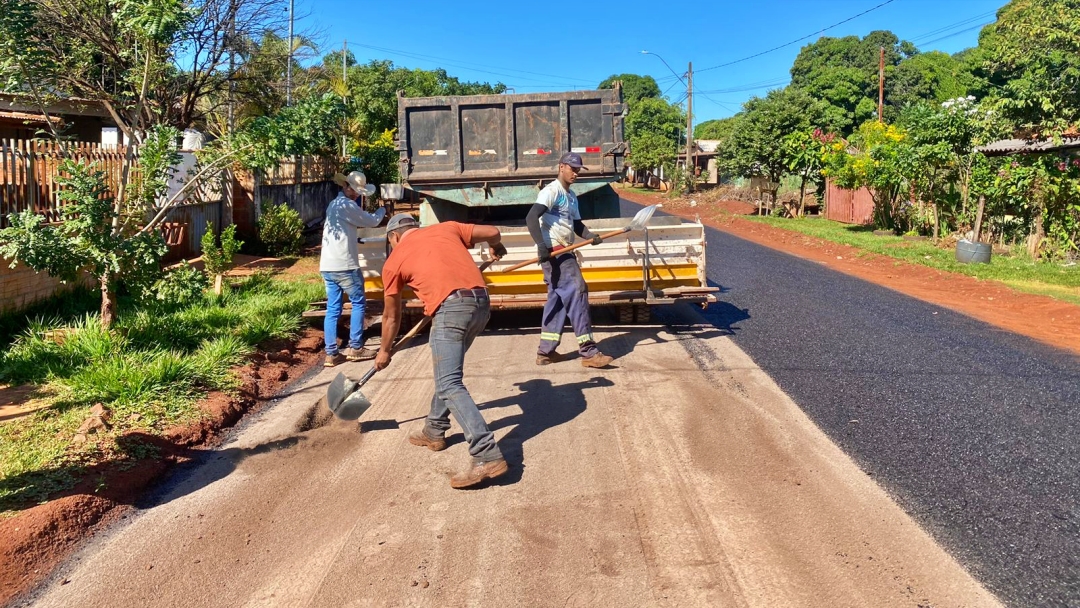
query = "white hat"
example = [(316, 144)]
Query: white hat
[(355, 180)]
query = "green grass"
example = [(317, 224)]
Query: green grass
[(150, 371), (1017, 271)]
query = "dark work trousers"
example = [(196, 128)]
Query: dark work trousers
[(567, 295)]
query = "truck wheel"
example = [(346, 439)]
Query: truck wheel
[(626, 314), (642, 313)]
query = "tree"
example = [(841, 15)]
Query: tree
[(844, 73), (755, 146), (259, 83), (715, 129), (634, 87), (1032, 59), (933, 76), (942, 139), (652, 127), (98, 236), (116, 240), (373, 89), (873, 157), (804, 150), (218, 260), (146, 61)]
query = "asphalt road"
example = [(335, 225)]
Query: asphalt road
[(973, 430)]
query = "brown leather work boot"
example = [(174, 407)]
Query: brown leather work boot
[(478, 473), (548, 359), (597, 360), (422, 439), (360, 354), (334, 360)]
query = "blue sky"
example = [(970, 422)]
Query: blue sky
[(543, 47)]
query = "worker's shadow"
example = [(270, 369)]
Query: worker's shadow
[(543, 406)]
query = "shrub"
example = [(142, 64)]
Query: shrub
[(281, 230), (217, 260), (179, 287)]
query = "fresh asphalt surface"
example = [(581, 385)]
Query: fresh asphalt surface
[(975, 431)]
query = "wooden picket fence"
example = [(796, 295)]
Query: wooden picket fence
[(28, 171), (295, 170)]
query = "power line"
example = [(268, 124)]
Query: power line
[(931, 33), (750, 86), (721, 104), (787, 44), (963, 31)]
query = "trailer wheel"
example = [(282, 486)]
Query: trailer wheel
[(642, 313), (626, 314)]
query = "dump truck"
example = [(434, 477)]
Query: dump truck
[(484, 158)]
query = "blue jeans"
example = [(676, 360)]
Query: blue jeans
[(339, 283), (453, 329)]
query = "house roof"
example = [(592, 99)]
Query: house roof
[(72, 106), (1008, 147)]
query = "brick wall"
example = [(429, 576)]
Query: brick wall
[(21, 287)]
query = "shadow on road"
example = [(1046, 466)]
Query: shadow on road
[(543, 406)]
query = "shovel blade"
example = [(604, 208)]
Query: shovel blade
[(642, 217), (339, 392), (353, 406)]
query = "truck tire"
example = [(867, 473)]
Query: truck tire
[(642, 313), (626, 314)]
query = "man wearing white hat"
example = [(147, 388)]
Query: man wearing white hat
[(339, 264)]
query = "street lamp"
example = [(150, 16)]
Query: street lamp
[(666, 64)]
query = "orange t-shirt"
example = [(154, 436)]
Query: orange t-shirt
[(434, 262)]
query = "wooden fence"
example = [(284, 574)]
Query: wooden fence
[(301, 170), (28, 170), (848, 206)]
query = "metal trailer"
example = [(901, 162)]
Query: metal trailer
[(484, 158)]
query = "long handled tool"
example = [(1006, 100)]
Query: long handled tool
[(344, 396), (640, 219)]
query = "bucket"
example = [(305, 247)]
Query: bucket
[(972, 253), (391, 192)]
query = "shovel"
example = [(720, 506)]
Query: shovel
[(637, 223), (344, 396)]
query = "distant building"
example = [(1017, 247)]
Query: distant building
[(81, 119)]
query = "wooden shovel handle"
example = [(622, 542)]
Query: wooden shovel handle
[(603, 237)]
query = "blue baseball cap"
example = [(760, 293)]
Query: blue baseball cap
[(573, 159)]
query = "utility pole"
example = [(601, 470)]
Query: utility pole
[(288, 67), (690, 162), (881, 87), (232, 65), (344, 94)]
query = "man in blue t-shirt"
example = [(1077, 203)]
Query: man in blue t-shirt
[(553, 221)]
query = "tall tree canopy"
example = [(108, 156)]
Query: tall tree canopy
[(844, 73), (634, 87), (715, 129), (1032, 60), (153, 61)]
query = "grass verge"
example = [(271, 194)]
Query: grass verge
[(149, 371), (1018, 272)]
